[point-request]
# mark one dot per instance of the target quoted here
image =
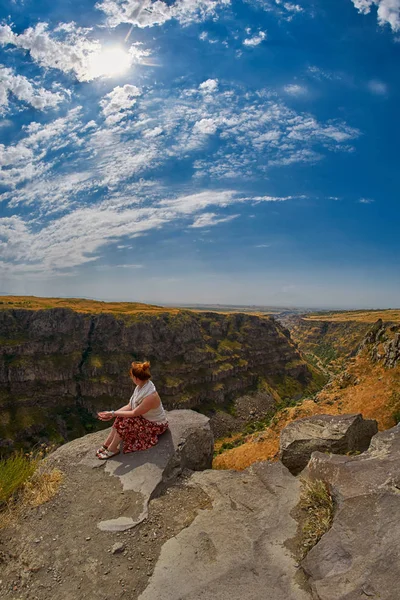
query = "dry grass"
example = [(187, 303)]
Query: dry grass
[(317, 506), (41, 487), (80, 305), (362, 316), (25, 481)]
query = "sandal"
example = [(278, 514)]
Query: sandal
[(106, 454), (102, 448)]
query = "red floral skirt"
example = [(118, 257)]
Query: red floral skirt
[(138, 433)]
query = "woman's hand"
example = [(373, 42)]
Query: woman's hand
[(106, 415)]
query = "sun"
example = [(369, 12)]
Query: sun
[(109, 62)]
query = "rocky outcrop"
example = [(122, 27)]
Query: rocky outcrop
[(336, 434), (58, 366), (187, 445), (359, 556), (382, 343)]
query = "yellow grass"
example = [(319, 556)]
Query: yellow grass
[(42, 487), (362, 316), (81, 305)]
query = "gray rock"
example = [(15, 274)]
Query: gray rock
[(237, 549), (337, 434), (359, 557), (117, 548), (187, 445)]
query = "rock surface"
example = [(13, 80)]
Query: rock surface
[(359, 557), (337, 434), (220, 535), (237, 549), (186, 445)]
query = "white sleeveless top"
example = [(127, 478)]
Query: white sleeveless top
[(156, 415)]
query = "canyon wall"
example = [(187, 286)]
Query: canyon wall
[(59, 366)]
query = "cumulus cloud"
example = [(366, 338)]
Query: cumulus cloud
[(22, 89), (68, 48), (119, 102), (205, 126), (388, 11), (209, 86), (366, 200), (255, 40), (149, 13)]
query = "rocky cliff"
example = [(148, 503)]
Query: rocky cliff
[(59, 366)]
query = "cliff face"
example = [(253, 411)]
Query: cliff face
[(327, 344), (58, 366)]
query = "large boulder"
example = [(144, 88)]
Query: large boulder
[(336, 434), (359, 557)]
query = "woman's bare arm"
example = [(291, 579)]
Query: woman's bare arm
[(151, 401), (106, 415)]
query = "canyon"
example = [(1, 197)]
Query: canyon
[(60, 364)]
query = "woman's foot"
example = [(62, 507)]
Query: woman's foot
[(102, 448), (106, 454)]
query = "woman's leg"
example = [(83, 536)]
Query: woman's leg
[(113, 446), (110, 437)]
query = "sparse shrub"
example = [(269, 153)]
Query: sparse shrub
[(14, 473), (25, 480), (317, 503)]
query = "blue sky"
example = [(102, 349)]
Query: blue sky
[(201, 151)]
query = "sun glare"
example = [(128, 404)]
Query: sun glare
[(109, 62)]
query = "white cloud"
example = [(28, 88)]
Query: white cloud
[(68, 48), (284, 10), (119, 102), (377, 87), (149, 13), (208, 219), (388, 11), (209, 86), (79, 237), (366, 200), (293, 89), (22, 89), (205, 126), (255, 40), (251, 134)]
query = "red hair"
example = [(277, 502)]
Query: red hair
[(141, 370)]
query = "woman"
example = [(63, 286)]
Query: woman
[(139, 423)]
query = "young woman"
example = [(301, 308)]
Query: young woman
[(139, 423)]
